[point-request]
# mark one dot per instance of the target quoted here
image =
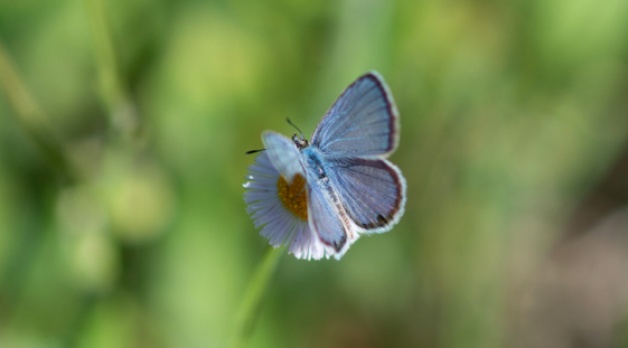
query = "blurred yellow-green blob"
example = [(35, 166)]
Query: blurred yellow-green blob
[(90, 250), (141, 202)]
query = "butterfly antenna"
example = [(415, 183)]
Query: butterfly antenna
[(295, 127), (253, 151)]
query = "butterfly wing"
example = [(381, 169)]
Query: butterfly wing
[(372, 191), (363, 122), (328, 220), (284, 155)]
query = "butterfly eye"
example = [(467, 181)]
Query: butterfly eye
[(299, 141)]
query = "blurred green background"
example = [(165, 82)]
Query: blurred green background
[(123, 127)]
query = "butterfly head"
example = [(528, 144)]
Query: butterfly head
[(300, 141)]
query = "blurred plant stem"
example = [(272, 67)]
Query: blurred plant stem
[(29, 115), (251, 302), (122, 115)]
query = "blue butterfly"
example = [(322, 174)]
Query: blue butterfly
[(320, 196)]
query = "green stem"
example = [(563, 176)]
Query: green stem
[(105, 56), (29, 115), (251, 303), (122, 115)]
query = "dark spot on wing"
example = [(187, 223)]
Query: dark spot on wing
[(339, 244), (381, 220)]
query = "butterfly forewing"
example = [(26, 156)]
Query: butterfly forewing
[(363, 122), (283, 154)]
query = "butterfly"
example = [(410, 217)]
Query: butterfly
[(320, 196)]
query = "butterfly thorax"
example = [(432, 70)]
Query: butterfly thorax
[(315, 163)]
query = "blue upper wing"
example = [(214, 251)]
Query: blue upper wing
[(363, 122), (284, 155)]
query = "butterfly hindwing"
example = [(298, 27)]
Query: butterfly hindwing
[(327, 217), (372, 191)]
